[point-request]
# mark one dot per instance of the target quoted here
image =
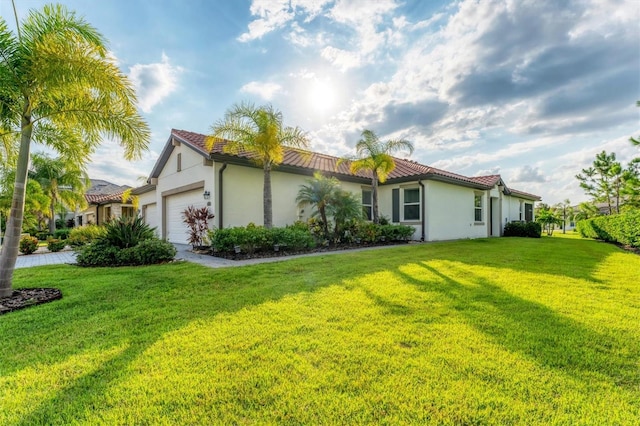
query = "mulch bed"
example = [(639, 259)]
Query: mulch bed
[(284, 252), (26, 297)]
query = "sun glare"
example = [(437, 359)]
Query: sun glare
[(321, 96)]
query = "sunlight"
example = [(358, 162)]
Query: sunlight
[(321, 95)]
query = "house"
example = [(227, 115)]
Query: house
[(105, 202), (440, 205)]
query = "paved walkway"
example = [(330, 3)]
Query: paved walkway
[(184, 253)]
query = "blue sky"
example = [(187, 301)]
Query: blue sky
[(531, 90)]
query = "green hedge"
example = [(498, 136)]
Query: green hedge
[(620, 228), (257, 238), (147, 252), (299, 237), (523, 229)]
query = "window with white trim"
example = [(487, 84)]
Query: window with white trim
[(411, 204), (477, 204), (521, 210), (367, 204)]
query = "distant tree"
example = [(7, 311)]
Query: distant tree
[(59, 87), (607, 181), (36, 206), (319, 192), (548, 218), (586, 211), (260, 132), (374, 155), (64, 183), (566, 212)]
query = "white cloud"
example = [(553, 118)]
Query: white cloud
[(275, 14), (154, 82), (264, 90), (342, 59), (527, 173)]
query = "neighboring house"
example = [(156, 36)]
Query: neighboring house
[(105, 202), (440, 205)]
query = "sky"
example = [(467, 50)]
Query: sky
[(530, 90)]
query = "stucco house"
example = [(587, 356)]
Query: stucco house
[(105, 202), (440, 205)]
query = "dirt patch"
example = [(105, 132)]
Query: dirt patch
[(26, 297)]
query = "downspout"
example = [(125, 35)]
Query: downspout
[(220, 188), (422, 209)]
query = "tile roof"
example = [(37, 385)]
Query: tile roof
[(404, 170), (102, 191)]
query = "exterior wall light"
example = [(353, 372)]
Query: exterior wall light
[(207, 195)]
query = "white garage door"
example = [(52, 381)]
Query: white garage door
[(177, 231), (151, 217)]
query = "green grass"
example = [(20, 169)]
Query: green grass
[(491, 331)]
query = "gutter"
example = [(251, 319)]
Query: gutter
[(220, 189), (424, 213)]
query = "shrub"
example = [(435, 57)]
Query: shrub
[(198, 222), (147, 252), (125, 232), (621, 228), (153, 251), (42, 235), (28, 244), (254, 238), (84, 235), (61, 234), (523, 229), (55, 244)]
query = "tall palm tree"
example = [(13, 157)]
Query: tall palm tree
[(64, 183), (374, 155), (59, 87), (260, 132), (319, 192)]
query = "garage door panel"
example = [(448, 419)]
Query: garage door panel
[(177, 231)]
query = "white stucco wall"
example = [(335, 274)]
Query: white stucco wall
[(243, 188), (192, 171), (450, 212)]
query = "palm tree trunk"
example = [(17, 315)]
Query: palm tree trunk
[(374, 197), (52, 220), (266, 197), (14, 226)]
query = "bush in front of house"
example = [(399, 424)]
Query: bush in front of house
[(254, 238), (83, 235), (125, 242), (621, 228), (28, 244), (55, 244), (523, 229), (62, 233)]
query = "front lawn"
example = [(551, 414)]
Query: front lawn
[(490, 331)]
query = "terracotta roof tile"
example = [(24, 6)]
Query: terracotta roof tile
[(326, 163), (103, 198)]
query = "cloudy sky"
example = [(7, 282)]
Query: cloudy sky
[(530, 90)]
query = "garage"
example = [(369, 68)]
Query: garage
[(176, 230)]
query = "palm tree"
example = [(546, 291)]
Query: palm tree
[(58, 87), (319, 192), (375, 156), (64, 184), (258, 131)]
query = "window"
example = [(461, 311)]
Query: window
[(107, 213), (528, 212), (179, 162), (367, 204), (520, 212), (411, 204), (127, 211), (477, 202)]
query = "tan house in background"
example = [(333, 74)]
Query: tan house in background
[(105, 202)]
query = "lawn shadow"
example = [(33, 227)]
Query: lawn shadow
[(534, 330)]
